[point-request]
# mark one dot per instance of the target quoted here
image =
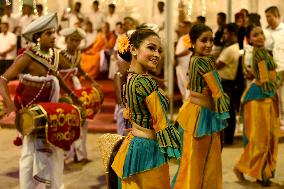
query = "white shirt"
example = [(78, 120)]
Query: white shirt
[(25, 20), (89, 40), (112, 20), (275, 42), (73, 18), (7, 41), (159, 19), (230, 57), (11, 20), (97, 19)]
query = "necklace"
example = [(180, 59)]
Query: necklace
[(71, 58), (133, 72), (47, 56)]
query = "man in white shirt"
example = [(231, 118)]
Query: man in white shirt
[(74, 17), (275, 43), (182, 55), (7, 47), (112, 18), (25, 19), (96, 17), (10, 19), (160, 17), (227, 67)]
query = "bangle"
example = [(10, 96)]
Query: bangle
[(4, 78)]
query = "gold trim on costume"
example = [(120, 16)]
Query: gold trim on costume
[(157, 112), (213, 84), (263, 73), (201, 100)]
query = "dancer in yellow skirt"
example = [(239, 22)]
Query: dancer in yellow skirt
[(141, 162), (201, 118), (260, 116)]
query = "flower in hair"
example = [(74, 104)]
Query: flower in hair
[(123, 44), (186, 41)]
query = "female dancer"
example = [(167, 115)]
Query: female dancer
[(201, 118), (141, 161), (260, 116)]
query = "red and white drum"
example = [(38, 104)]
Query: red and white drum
[(58, 123), (91, 99)]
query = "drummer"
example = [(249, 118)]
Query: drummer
[(71, 74), (41, 165)]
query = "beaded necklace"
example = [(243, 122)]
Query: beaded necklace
[(47, 56), (73, 59), (47, 59)]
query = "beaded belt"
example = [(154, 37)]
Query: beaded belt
[(201, 100)]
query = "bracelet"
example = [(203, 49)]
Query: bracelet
[(4, 78)]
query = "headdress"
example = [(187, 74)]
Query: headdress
[(123, 44), (186, 41), (77, 32), (42, 23)]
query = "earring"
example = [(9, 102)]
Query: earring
[(38, 42), (134, 54)]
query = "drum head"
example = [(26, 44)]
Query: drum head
[(25, 122)]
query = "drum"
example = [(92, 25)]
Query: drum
[(58, 123), (31, 121), (91, 99)]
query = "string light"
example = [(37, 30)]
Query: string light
[(45, 7), (203, 7), (189, 8), (8, 2), (34, 7), (20, 5)]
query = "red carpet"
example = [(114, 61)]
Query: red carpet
[(103, 121)]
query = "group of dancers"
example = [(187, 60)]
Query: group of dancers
[(194, 139), (142, 159)]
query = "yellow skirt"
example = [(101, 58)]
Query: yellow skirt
[(157, 178), (262, 131), (200, 166)]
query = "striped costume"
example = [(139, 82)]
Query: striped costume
[(200, 121), (153, 141), (261, 119)]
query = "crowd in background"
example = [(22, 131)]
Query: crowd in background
[(99, 49)]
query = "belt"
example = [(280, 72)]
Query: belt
[(36, 83), (201, 100), (142, 132)]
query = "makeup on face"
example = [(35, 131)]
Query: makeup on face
[(257, 37), (150, 52), (204, 44)]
